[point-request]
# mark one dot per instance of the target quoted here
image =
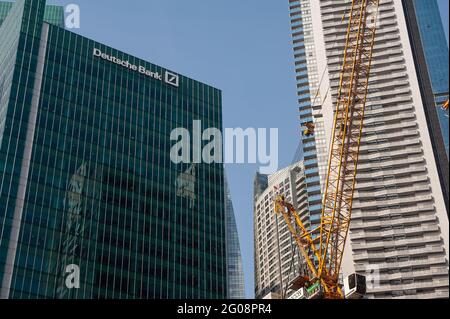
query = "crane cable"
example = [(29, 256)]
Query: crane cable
[(347, 10)]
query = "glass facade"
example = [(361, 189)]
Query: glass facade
[(52, 14), (436, 53), (86, 177), (236, 288), (260, 184)]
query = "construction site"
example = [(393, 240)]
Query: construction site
[(316, 257)]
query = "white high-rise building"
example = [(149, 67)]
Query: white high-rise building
[(399, 232), (277, 258)]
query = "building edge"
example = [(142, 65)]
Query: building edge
[(426, 92)]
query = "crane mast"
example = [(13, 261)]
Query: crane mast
[(323, 247)]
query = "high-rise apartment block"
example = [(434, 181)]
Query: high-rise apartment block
[(399, 231), (86, 177), (278, 261)]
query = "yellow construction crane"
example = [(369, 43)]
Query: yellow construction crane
[(445, 106), (323, 247), (309, 128)]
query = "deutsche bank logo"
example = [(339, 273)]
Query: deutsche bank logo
[(169, 77), (172, 79)]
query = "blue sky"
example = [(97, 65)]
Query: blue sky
[(241, 47)]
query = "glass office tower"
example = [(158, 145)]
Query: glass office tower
[(86, 178), (236, 286), (52, 14), (435, 47)]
